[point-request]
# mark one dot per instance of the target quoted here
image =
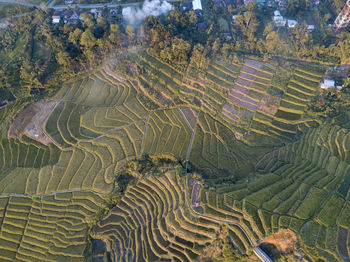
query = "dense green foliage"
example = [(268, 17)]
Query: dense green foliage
[(36, 54)]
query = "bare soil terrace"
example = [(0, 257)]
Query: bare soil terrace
[(31, 121), (284, 241)]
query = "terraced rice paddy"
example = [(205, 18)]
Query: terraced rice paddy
[(151, 222), (46, 228), (215, 148), (217, 123), (243, 93), (302, 187)]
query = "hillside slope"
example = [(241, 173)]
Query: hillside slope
[(262, 163)]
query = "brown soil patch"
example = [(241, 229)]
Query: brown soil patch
[(284, 241), (22, 119), (215, 248), (31, 121), (269, 104)]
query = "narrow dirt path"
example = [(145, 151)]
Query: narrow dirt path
[(144, 133)]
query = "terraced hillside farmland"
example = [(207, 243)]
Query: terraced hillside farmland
[(59, 167), (303, 186), (250, 102), (46, 227), (151, 222)]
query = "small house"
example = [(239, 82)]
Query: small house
[(327, 83), (277, 16), (310, 27), (277, 13), (292, 23), (280, 23), (197, 4), (56, 17), (278, 19)]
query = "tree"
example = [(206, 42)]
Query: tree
[(226, 50), (88, 39), (29, 74), (229, 254), (192, 17), (130, 32), (248, 26), (274, 44), (157, 35), (268, 28), (63, 59), (342, 47), (88, 20), (300, 40), (166, 54), (252, 7), (198, 58), (4, 77), (180, 50), (338, 5), (230, 9), (297, 7), (216, 46), (74, 37), (104, 46), (115, 36)]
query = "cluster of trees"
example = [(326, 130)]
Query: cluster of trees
[(36, 55), (88, 43), (332, 102), (176, 38), (254, 33)]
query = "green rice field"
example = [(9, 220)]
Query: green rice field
[(247, 157)]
